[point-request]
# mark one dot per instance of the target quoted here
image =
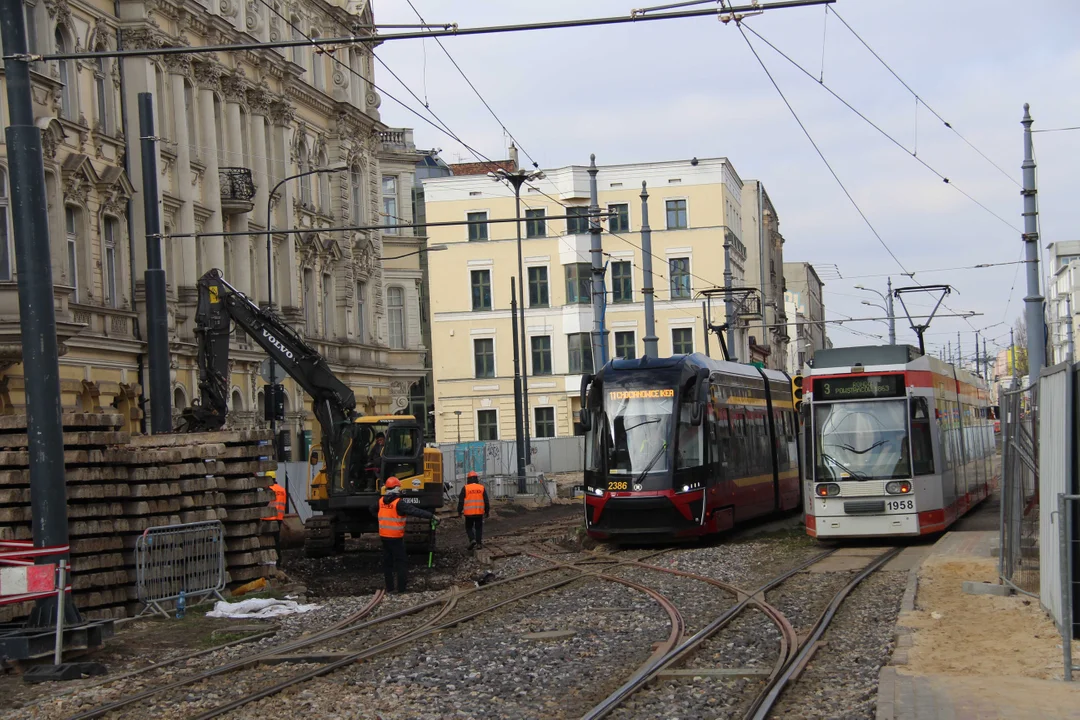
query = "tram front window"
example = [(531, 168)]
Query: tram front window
[(637, 431), (862, 441)]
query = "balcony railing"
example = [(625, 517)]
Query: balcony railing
[(237, 189)]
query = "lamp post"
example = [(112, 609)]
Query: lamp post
[(272, 390), (516, 180), (887, 297), (458, 413)]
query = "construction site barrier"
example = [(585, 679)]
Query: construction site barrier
[(175, 559)]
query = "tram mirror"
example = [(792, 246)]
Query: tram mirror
[(696, 412), (584, 418)]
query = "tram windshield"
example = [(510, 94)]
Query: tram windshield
[(636, 430), (862, 440)]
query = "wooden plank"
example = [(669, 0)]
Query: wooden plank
[(68, 420), (246, 514), (71, 439)]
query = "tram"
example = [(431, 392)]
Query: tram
[(686, 446), (898, 443)]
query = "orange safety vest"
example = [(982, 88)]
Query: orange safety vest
[(474, 499), (390, 524), (279, 501)]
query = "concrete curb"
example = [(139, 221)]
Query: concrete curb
[(903, 641)]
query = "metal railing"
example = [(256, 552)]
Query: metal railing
[(175, 559), (236, 184), (1019, 543)]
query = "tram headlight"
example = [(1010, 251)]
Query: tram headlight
[(599, 492), (828, 490), (898, 487)]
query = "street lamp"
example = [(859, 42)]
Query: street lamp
[(272, 390), (516, 180), (888, 310), (458, 413)]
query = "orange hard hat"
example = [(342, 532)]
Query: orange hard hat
[(473, 474), (392, 482)]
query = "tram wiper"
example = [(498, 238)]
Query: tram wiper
[(830, 458), (878, 444), (657, 456), (643, 422)]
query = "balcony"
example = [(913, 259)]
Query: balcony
[(237, 190), (397, 140)]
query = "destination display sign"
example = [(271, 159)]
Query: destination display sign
[(859, 388), (635, 394)]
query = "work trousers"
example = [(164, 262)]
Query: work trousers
[(394, 563), (474, 528)]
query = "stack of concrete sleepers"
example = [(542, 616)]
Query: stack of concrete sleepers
[(119, 485)]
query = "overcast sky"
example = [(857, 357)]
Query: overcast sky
[(678, 89)]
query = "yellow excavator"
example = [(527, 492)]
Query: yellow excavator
[(357, 453)]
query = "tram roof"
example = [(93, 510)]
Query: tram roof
[(866, 355)]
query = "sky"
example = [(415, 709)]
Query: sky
[(677, 89)]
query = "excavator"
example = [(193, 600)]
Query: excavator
[(345, 488)]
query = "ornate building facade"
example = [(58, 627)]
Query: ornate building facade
[(231, 127)]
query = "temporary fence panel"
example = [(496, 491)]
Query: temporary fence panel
[(499, 457), (296, 473), (1055, 471), (1019, 561), (174, 559)]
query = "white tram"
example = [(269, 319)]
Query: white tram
[(897, 443)]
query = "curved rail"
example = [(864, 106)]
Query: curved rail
[(765, 701), (650, 670)]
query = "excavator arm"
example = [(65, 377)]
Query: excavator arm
[(220, 304)]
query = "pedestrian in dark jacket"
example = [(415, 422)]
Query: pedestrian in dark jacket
[(473, 504), (392, 512)]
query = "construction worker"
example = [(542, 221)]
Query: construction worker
[(473, 504), (278, 504), (392, 512)]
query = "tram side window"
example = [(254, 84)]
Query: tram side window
[(689, 447)]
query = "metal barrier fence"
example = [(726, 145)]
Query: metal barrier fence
[(1055, 477), (499, 457), (1019, 551), (174, 559)]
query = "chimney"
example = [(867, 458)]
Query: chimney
[(514, 156)]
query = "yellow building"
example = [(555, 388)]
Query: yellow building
[(693, 206)]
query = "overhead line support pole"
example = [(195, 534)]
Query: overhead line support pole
[(650, 339), (1036, 326), (596, 253)]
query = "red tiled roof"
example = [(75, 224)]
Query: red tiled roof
[(481, 168)]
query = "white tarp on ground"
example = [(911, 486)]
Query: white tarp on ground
[(258, 609)]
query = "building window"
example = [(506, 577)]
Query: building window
[(389, 201), (481, 289), (578, 222), (579, 349), (619, 221), (676, 214), (679, 273), (484, 357), (324, 185), (538, 287), (317, 62), (625, 347), (541, 354), (478, 229), (356, 181), (68, 79), (112, 234), (622, 289), (361, 318), (7, 252), (578, 280), (534, 224), (192, 124), (327, 305), (309, 300), (101, 96), (219, 136), (72, 227), (544, 424), (163, 121), (298, 36), (682, 341), (395, 302), (487, 424), (30, 13)]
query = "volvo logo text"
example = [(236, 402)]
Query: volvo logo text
[(277, 343)]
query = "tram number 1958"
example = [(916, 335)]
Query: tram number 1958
[(900, 505), (618, 485)]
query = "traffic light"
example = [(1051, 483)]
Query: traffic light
[(796, 391), (274, 401)]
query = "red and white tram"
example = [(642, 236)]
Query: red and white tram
[(897, 443)]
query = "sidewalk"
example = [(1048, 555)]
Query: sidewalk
[(972, 657)]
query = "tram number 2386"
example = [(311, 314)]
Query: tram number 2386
[(617, 485), (900, 505)]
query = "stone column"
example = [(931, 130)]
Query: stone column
[(213, 248), (179, 70), (286, 292), (240, 266), (259, 103)]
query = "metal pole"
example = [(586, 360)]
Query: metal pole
[(987, 359), (1012, 353), (37, 314), (596, 254), (527, 454), (728, 308), (458, 413), (959, 352), (892, 315), (518, 424), (58, 651), (157, 317), (705, 327), (761, 262), (650, 340), (1036, 329), (1069, 326)]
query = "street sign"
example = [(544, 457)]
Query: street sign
[(264, 371)]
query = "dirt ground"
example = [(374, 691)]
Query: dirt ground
[(961, 634)]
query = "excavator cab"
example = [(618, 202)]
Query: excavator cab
[(379, 447)]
